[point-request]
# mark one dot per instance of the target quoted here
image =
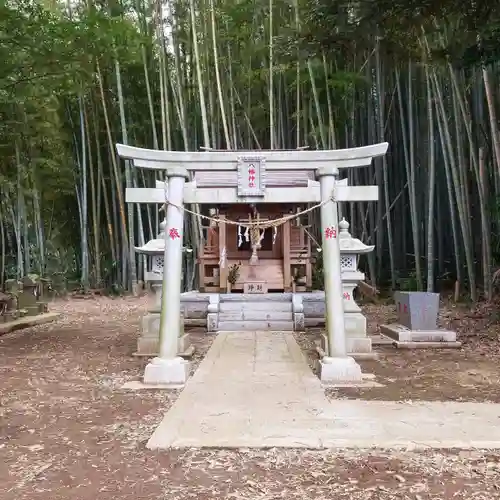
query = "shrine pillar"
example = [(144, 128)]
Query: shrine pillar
[(285, 240), (336, 366), (168, 368), (223, 264)]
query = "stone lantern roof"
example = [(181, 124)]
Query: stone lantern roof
[(156, 246), (348, 244)]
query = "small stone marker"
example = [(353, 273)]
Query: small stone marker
[(417, 310), (417, 322), (28, 297)]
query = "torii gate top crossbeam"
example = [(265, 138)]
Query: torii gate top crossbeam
[(275, 160)]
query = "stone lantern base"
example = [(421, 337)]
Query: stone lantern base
[(148, 343), (359, 344)]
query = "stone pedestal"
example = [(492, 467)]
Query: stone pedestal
[(357, 340), (339, 370), (194, 312), (28, 297), (404, 334), (355, 323), (360, 346), (213, 313), (298, 313), (148, 342), (356, 347), (169, 372), (417, 322)]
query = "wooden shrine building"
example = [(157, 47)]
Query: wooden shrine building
[(284, 257)]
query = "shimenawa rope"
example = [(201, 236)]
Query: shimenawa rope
[(251, 225)]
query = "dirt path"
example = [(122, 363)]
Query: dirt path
[(68, 432)]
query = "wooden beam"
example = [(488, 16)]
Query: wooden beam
[(308, 262)]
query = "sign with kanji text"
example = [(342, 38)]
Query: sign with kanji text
[(255, 287), (251, 175)]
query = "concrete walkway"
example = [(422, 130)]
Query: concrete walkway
[(255, 390)]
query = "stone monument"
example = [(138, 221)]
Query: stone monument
[(417, 322), (24, 303)]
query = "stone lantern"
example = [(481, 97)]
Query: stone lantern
[(358, 343), (154, 250), (148, 342), (355, 323)]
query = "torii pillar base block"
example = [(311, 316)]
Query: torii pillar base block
[(338, 371), (169, 372)]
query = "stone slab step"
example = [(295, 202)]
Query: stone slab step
[(255, 297), (248, 326), (225, 307), (255, 315), (402, 334), (427, 345)]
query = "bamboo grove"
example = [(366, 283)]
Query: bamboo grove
[(255, 74)]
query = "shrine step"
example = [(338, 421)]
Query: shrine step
[(256, 297), (247, 325), (251, 314), (261, 307)]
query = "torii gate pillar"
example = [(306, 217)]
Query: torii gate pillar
[(336, 366), (168, 368)]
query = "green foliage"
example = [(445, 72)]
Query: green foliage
[(326, 56), (233, 273), (49, 59), (37, 47), (463, 32)]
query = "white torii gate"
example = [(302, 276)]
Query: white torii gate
[(250, 170)]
